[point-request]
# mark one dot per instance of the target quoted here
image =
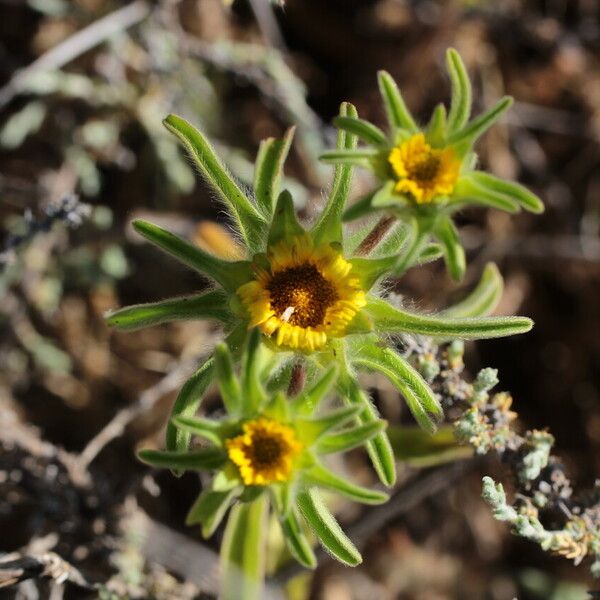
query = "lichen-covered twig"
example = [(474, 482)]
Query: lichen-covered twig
[(545, 509), (68, 210)]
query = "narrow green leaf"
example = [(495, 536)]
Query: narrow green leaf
[(328, 228), (379, 449), (515, 191), (327, 529), (483, 299), (460, 106), (362, 129), (398, 114), (430, 253), (296, 541), (349, 438), (323, 477), (309, 400), (436, 129), (204, 428), (480, 124), (204, 459), (210, 508), (229, 386), (454, 253), (243, 551), (393, 320), (269, 170), (212, 305), (418, 395), (421, 449), (285, 224), (251, 223), (370, 270), (360, 157), (230, 275), (310, 430), (187, 404), (467, 191)]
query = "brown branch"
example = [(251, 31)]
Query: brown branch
[(376, 235)]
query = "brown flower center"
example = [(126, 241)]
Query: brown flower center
[(301, 295), (265, 451), (425, 169)]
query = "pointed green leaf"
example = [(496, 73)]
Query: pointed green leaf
[(379, 449), (370, 270), (243, 551), (480, 124), (454, 253), (386, 196), (398, 114), (285, 225), (229, 386), (430, 253), (393, 242), (393, 320), (360, 157), (327, 529), (422, 449), (228, 274), (328, 228), (204, 428), (483, 299), (269, 170), (210, 508), (296, 541), (436, 129), (349, 438), (418, 395), (362, 129), (515, 191), (187, 404), (204, 459), (251, 223), (460, 106), (467, 191), (310, 430), (323, 477), (212, 305), (308, 400)]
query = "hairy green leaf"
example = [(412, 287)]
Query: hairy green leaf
[(230, 275), (251, 223), (327, 529), (349, 438), (515, 191), (393, 320), (269, 170), (204, 459), (460, 105), (296, 541), (362, 129), (454, 253), (470, 132), (483, 299), (212, 305), (398, 114), (210, 508)]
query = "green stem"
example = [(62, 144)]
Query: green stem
[(243, 551)]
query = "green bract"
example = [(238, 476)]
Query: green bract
[(311, 291), (428, 173), (312, 434)]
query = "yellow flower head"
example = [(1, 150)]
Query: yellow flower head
[(424, 172), (265, 452), (308, 294)]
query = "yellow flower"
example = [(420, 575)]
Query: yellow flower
[(424, 172), (265, 452), (308, 294)]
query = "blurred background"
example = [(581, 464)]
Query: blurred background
[(84, 85)]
